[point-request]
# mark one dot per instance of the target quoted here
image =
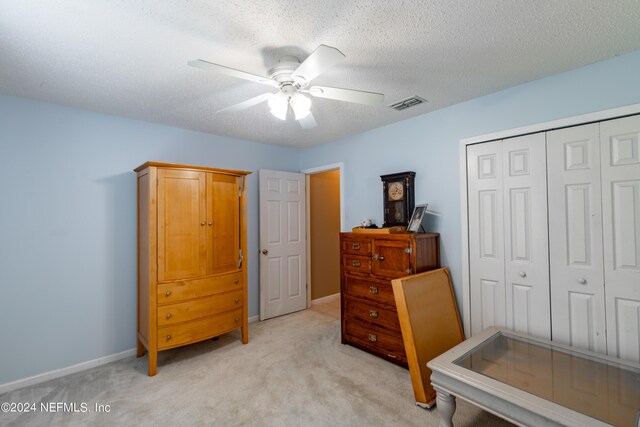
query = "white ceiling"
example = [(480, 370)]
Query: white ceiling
[(130, 57)]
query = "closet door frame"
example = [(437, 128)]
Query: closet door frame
[(464, 214)]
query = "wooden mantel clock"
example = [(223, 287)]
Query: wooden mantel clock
[(398, 198)]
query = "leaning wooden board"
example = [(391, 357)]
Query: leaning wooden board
[(430, 325)]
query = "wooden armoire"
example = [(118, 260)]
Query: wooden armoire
[(192, 278)]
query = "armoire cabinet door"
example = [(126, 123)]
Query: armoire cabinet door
[(223, 223), (181, 224), (620, 165), (526, 246), (575, 237), (486, 238)]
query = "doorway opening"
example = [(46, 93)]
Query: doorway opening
[(325, 213)]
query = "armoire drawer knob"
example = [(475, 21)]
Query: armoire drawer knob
[(355, 246), (168, 293), (373, 314), (356, 263), (168, 337), (373, 338), (237, 300), (168, 316), (522, 274), (373, 290), (582, 281)]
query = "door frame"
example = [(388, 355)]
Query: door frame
[(598, 116), (311, 171)]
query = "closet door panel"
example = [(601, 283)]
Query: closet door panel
[(525, 235), (486, 239), (620, 165), (575, 237)]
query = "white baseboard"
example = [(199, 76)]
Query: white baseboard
[(57, 373), (254, 318), (328, 298)]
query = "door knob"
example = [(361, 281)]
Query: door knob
[(522, 274), (265, 252), (582, 281), (202, 223)]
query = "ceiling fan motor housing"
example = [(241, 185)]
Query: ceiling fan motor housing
[(281, 72)]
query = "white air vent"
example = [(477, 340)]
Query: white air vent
[(406, 103)]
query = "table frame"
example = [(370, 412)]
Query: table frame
[(508, 402)]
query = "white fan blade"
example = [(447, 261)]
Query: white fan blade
[(246, 104), (321, 59), (206, 65), (308, 121), (348, 95)]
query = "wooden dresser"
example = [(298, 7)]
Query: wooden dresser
[(368, 264), (192, 279)]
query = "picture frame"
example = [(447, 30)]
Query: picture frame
[(415, 223)]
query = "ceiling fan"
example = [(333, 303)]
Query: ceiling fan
[(292, 80)]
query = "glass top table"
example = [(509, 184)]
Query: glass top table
[(525, 372)]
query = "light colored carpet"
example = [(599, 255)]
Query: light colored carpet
[(293, 372)]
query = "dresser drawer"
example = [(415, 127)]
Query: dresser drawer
[(378, 340), (171, 292), (169, 314), (356, 246), (360, 287), (198, 330), (356, 263), (372, 313)]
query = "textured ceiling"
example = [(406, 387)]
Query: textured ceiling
[(130, 57)]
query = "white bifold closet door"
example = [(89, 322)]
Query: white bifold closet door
[(620, 166), (575, 237), (508, 253)]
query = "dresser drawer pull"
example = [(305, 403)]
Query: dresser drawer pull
[(237, 320), (168, 316), (355, 246), (168, 337), (235, 281), (373, 338), (356, 263), (237, 300), (168, 293), (373, 290), (373, 314)]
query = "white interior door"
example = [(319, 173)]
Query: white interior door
[(486, 240), (575, 237), (526, 245), (620, 153), (283, 286)]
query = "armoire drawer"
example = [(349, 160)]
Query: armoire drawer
[(361, 246), (172, 292), (360, 287), (198, 330), (379, 340), (372, 313), (169, 314), (356, 263)]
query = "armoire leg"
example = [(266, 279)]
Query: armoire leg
[(245, 334), (140, 349), (153, 361)]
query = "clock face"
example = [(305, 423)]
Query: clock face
[(396, 191)]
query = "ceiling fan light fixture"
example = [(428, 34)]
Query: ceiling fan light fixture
[(301, 105), (279, 105)]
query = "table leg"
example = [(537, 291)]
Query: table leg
[(446, 407)]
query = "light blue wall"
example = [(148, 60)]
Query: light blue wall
[(428, 144), (68, 226)]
